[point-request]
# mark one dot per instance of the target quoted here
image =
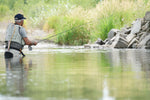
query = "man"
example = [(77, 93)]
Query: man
[(16, 38)]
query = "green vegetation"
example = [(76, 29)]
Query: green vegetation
[(61, 15)]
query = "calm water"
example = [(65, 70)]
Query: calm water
[(76, 74)]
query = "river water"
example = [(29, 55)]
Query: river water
[(75, 73)]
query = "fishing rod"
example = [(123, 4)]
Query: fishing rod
[(30, 47)]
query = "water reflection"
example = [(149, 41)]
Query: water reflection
[(80, 75), (16, 76)]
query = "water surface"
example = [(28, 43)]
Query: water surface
[(74, 73)]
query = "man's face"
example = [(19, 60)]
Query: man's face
[(22, 22)]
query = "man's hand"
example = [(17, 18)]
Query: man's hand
[(28, 42)]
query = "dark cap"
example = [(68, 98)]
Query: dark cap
[(19, 17)]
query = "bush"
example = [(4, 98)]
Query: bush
[(75, 31)]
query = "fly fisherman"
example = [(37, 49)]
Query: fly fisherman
[(16, 38)]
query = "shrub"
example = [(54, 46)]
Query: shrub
[(75, 30)]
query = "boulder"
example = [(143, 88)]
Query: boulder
[(112, 33), (136, 26), (119, 42), (99, 41), (147, 16), (145, 43)]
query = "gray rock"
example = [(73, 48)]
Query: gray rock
[(145, 43), (147, 16), (112, 33), (130, 37), (119, 42), (106, 40), (133, 43), (144, 34), (136, 26), (125, 31), (146, 26), (99, 41), (110, 41)]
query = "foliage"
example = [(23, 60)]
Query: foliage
[(75, 30)]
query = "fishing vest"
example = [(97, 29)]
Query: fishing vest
[(14, 34)]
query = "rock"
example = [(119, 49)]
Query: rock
[(147, 16), (100, 42), (146, 26), (145, 43), (144, 34), (130, 37), (136, 26), (125, 31), (119, 42), (110, 41), (133, 43), (112, 33), (106, 40)]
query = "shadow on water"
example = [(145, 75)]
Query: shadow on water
[(77, 74)]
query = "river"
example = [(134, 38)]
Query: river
[(50, 72)]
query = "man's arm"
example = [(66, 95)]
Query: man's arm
[(28, 42), (25, 38)]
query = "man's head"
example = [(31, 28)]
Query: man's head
[(19, 19)]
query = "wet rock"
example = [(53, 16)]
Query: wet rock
[(136, 26), (112, 33), (119, 42), (147, 16), (145, 43), (99, 41)]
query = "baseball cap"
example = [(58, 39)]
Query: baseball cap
[(19, 17)]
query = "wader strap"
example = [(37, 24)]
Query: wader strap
[(9, 42)]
